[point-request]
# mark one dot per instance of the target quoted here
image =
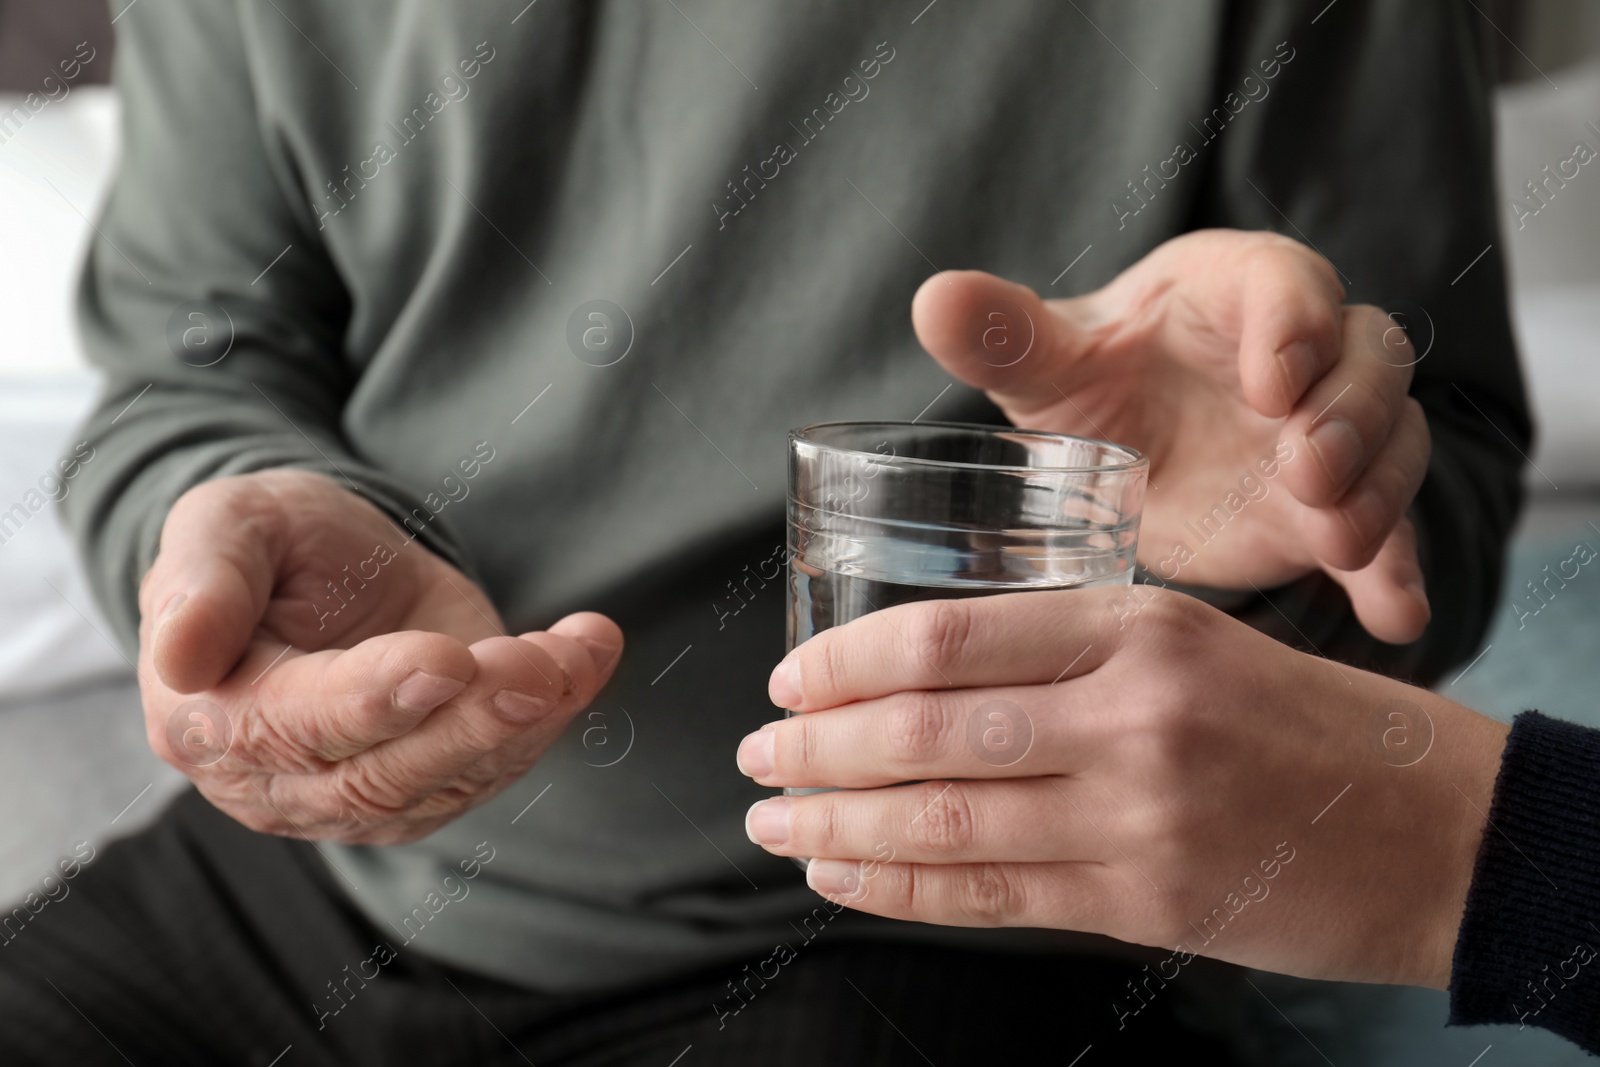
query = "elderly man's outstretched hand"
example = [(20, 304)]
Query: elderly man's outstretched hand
[(317, 673)]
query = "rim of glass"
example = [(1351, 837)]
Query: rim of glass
[(1136, 460)]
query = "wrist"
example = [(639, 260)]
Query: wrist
[(1465, 777)]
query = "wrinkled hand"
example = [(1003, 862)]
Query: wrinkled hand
[(317, 675), (1275, 417), (1180, 780)]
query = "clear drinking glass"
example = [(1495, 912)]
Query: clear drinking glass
[(886, 513)]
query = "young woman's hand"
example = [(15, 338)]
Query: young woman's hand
[(1128, 761)]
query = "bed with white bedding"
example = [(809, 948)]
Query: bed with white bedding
[(74, 765)]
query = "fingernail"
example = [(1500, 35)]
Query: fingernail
[(1337, 447), (783, 688), (421, 692), (603, 654), (1299, 363), (520, 709), (833, 878), (767, 821), (173, 603), (755, 753)]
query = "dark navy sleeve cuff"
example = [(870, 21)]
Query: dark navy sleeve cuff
[(1529, 947)]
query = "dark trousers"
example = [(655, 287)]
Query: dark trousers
[(199, 942)]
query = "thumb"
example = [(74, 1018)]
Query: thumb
[(211, 581), (995, 335)]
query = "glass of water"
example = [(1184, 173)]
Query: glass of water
[(886, 513)]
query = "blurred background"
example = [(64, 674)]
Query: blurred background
[(75, 767)]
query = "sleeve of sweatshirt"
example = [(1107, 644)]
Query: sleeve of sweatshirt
[(1373, 143), (1528, 951), (209, 303)]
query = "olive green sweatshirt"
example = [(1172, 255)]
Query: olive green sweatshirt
[(549, 283)]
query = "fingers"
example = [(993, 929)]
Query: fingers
[(524, 693), (1388, 594), (990, 333), (1016, 820), (1066, 896), (1343, 421), (211, 581), (1347, 535), (961, 733), (311, 709), (400, 733), (1362, 448), (601, 636), (1010, 639), (1291, 318), (1279, 298)]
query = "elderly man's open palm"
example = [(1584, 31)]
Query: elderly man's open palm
[(317, 673)]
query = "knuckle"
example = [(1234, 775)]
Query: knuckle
[(474, 786), (1387, 336), (1270, 246), (944, 826), (366, 788), (939, 631), (1127, 603), (1279, 242), (916, 729), (1166, 729), (797, 748), (823, 669), (261, 741), (197, 495), (898, 887), (1318, 320), (1267, 251), (238, 494), (1143, 735), (364, 715), (1374, 403), (1357, 529), (1390, 485), (1323, 319), (1370, 512), (1153, 829), (1282, 244), (823, 828), (988, 894), (1170, 621)]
